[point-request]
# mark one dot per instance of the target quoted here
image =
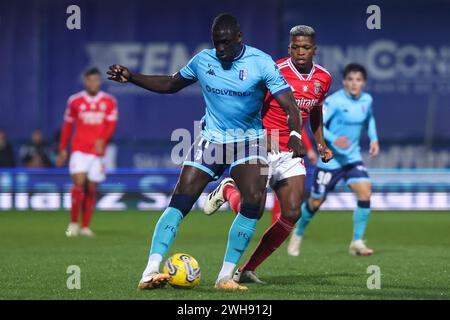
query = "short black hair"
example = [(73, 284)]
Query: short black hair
[(225, 21), (91, 71), (355, 67)]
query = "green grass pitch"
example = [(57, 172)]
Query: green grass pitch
[(412, 250)]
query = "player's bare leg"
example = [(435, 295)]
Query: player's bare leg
[(363, 191), (251, 182), (309, 208), (290, 193), (191, 183), (88, 208), (77, 196)]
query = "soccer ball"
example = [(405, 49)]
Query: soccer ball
[(184, 271)]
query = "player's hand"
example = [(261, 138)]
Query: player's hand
[(374, 149), (296, 146), (312, 157), (342, 142), (118, 73), (99, 146), (61, 158), (325, 153)]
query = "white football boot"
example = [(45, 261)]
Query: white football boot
[(153, 280), (72, 230), (295, 242), (359, 248), (227, 283), (86, 232), (215, 199), (246, 277)]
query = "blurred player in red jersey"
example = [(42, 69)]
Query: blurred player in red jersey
[(310, 84), (94, 114)]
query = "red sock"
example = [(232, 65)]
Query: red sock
[(271, 240), (88, 206), (232, 195), (276, 209), (77, 202)]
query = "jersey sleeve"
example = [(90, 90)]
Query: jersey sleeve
[(111, 118), (190, 70), (69, 117), (325, 93), (329, 110), (371, 125), (273, 78)]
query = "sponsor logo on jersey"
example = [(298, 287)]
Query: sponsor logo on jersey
[(243, 74), (92, 117), (306, 103), (316, 87), (227, 92), (211, 72)]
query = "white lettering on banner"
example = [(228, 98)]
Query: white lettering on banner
[(158, 201), (155, 60), (21, 201), (386, 59), (111, 201), (6, 201), (45, 201), (147, 58)]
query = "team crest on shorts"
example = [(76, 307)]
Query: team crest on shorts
[(243, 74), (316, 87)]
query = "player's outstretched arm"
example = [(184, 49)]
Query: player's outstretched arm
[(159, 84), (287, 101), (316, 121)]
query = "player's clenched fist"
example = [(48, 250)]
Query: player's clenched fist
[(119, 73), (295, 144), (325, 153)]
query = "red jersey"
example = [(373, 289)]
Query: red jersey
[(95, 117), (309, 92)]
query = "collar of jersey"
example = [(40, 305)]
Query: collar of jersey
[(291, 64), (240, 54), (347, 95)]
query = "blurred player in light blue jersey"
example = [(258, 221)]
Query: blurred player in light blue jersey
[(234, 79), (345, 113)]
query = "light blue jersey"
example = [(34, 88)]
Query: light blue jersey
[(344, 115), (234, 96)]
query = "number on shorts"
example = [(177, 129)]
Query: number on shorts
[(324, 177)]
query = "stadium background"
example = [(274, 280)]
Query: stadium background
[(408, 62)]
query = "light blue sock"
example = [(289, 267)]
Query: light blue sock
[(307, 215), (241, 232), (165, 231), (360, 219)]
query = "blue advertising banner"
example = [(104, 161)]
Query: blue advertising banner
[(150, 190)]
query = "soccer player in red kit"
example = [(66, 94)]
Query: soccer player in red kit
[(94, 114), (310, 84)]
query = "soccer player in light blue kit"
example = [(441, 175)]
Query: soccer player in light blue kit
[(345, 113), (234, 79)]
